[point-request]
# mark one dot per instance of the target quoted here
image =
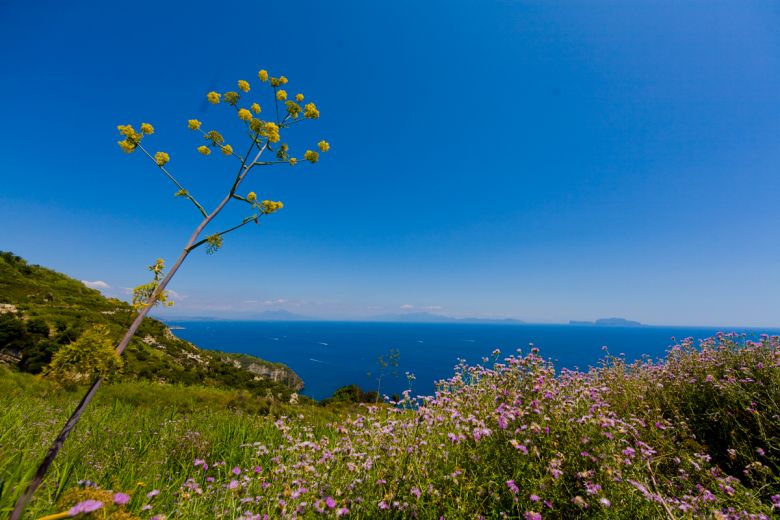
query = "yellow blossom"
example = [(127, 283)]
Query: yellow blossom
[(281, 95), (205, 150), (231, 98), (257, 125), (147, 129), (244, 114), (161, 158), (272, 132), (194, 124), (293, 108), (270, 206), (312, 157), (251, 196), (282, 80), (293, 161), (310, 111), (298, 97), (263, 75), (127, 146), (275, 82), (324, 145), (129, 132), (255, 108), (213, 97), (243, 85), (227, 149)]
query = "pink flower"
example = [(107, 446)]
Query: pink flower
[(153, 493), (512, 486), (121, 499), (330, 502), (86, 506), (236, 471)]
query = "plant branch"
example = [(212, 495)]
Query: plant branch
[(253, 218), (178, 185)]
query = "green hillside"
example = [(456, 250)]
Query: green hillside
[(41, 310)]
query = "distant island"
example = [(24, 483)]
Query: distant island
[(608, 322)]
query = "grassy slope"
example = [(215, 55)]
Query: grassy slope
[(154, 353)]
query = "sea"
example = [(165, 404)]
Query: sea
[(329, 354)]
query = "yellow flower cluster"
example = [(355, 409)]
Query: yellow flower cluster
[(227, 149), (270, 206), (205, 150), (161, 158), (312, 157), (214, 243), (310, 111), (244, 115), (272, 132), (281, 95), (263, 75), (231, 98), (293, 108), (132, 138), (147, 129), (299, 98), (251, 196), (255, 108), (214, 136), (126, 146), (243, 85), (194, 124), (324, 145), (293, 161), (213, 97)]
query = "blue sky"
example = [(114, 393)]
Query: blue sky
[(541, 160)]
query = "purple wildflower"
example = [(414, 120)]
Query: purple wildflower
[(330, 502), (121, 499), (86, 506), (512, 486), (153, 493)]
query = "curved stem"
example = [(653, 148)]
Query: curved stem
[(59, 441)]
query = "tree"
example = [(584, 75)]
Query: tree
[(90, 356), (264, 136), (13, 333)]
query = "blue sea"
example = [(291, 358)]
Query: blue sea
[(328, 355)]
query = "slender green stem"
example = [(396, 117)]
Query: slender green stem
[(173, 179), (246, 221)]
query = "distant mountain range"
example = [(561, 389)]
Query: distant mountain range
[(608, 322), (427, 317)]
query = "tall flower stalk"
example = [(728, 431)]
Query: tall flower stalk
[(265, 137)]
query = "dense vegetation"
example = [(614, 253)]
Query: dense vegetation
[(43, 310), (694, 435)]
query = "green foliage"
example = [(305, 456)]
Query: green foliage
[(88, 357), (351, 394)]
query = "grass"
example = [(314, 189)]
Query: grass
[(694, 435)]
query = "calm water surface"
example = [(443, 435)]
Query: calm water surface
[(328, 355)]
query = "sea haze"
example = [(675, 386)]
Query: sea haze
[(328, 355)]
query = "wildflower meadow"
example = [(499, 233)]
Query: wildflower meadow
[(692, 435)]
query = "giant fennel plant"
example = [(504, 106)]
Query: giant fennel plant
[(264, 135)]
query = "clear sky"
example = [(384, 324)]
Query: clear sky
[(539, 160)]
